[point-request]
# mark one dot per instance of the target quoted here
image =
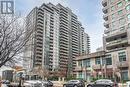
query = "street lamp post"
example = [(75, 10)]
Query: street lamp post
[(121, 73), (86, 72)]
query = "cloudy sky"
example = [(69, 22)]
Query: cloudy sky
[(89, 13)]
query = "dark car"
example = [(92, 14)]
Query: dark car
[(47, 83), (103, 83), (74, 83), (5, 82)]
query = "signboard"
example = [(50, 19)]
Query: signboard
[(7, 7)]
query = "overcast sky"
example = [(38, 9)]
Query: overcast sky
[(89, 12)]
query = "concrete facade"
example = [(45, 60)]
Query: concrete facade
[(85, 65), (56, 39), (117, 34), (116, 44), (116, 16), (104, 65)]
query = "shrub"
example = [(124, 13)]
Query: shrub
[(53, 78)]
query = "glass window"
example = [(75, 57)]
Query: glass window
[(112, 1), (113, 16), (113, 24), (125, 75), (127, 0), (128, 16), (122, 56), (120, 12), (80, 74), (80, 63), (97, 61), (119, 4), (128, 7), (122, 21), (108, 60), (86, 63), (129, 25), (112, 8), (103, 61)]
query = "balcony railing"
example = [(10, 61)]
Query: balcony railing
[(106, 31), (105, 17), (117, 42), (105, 10), (106, 24), (96, 66), (115, 33), (78, 68), (104, 3), (122, 64)]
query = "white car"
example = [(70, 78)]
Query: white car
[(128, 84), (33, 83), (103, 83), (4, 85)]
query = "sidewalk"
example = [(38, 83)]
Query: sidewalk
[(58, 83), (122, 85)]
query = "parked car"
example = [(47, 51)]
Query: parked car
[(128, 84), (74, 83), (37, 83), (32, 83), (47, 84), (103, 83), (5, 82)]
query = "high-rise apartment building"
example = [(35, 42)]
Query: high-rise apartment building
[(87, 43), (117, 34), (83, 39), (116, 16), (57, 38), (29, 52)]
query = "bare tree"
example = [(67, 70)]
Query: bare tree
[(42, 72), (13, 38)]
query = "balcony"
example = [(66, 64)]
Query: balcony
[(122, 64), (106, 24), (63, 60), (78, 68), (105, 10), (38, 63), (105, 17), (117, 42), (117, 33), (104, 3), (38, 60), (106, 31), (96, 66)]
